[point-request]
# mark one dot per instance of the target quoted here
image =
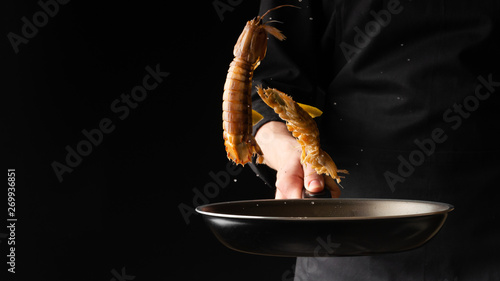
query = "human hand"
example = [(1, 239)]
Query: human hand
[(282, 153)]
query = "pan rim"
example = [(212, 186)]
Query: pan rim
[(446, 208)]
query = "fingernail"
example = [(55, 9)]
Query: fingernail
[(314, 184)]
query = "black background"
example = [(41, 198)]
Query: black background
[(118, 208)]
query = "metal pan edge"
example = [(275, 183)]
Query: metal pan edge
[(445, 208)]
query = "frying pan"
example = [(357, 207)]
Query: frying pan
[(319, 227)]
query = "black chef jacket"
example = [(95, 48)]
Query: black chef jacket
[(409, 91)]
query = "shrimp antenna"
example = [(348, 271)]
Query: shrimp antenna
[(338, 183), (265, 14), (271, 21)]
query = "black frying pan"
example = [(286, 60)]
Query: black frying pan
[(324, 227)]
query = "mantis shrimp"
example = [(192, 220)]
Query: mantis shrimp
[(299, 121), (238, 116)]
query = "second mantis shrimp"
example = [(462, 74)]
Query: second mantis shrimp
[(299, 121)]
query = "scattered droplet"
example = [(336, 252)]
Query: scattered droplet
[(402, 44), (310, 18), (408, 59), (381, 72), (357, 164), (257, 205), (398, 98), (334, 103), (312, 203), (361, 150), (235, 180), (300, 0)]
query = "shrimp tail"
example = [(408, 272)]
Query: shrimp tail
[(323, 164), (241, 149)]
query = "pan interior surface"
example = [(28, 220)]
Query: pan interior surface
[(324, 209), (324, 227)]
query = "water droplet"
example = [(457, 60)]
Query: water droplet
[(398, 98), (312, 203), (357, 164), (402, 44), (334, 103), (361, 150), (235, 180), (300, 0), (408, 59), (284, 202), (310, 18), (381, 72), (257, 205), (270, 18)]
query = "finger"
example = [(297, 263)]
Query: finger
[(289, 182), (279, 194), (312, 181), (332, 185)]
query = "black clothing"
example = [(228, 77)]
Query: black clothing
[(409, 91)]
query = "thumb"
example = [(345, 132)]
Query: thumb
[(312, 181)]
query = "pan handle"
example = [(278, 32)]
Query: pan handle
[(325, 193)]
